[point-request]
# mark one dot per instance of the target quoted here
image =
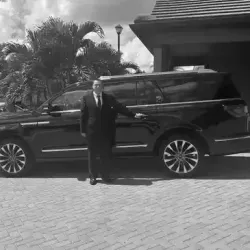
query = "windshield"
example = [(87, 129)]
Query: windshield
[(45, 104), (73, 94)]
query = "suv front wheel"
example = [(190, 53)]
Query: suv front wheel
[(15, 158), (181, 156)]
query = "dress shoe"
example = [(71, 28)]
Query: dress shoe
[(92, 181)]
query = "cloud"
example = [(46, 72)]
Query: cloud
[(132, 48), (136, 52), (18, 15)]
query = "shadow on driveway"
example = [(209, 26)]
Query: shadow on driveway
[(226, 167), (126, 171), (144, 171)]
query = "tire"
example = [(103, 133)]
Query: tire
[(182, 165), (15, 158)]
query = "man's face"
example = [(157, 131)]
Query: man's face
[(97, 87)]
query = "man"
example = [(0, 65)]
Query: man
[(98, 113)]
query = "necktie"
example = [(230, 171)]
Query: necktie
[(99, 104)]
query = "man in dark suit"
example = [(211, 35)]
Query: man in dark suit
[(98, 113)]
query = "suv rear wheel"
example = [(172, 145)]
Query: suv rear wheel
[(15, 158), (181, 156)]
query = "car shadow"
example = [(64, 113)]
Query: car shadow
[(144, 171), (125, 172), (133, 172), (226, 167)]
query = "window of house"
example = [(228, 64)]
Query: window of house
[(124, 92), (148, 93)]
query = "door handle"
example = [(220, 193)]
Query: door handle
[(144, 117), (225, 107)]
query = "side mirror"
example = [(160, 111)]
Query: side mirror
[(54, 110), (159, 99)]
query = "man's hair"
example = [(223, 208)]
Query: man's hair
[(97, 80)]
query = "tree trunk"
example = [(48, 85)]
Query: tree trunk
[(48, 88), (38, 98), (69, 77), (45, 93), (30, 100), (63, 83)]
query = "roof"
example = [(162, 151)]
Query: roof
[(192, 9)]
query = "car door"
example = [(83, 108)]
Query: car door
[(231, 132), (58, 133), (209, 101), (224, 119), (133, 136)]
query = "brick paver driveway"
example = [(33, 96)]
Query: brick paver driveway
[(56, 208)]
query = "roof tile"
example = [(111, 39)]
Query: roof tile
[(183, 9)]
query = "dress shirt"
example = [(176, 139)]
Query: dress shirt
[(96, 98)]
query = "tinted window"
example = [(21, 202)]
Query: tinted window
[(124, 92), (148, 93), (226, 89), (209, 85), (205, 87), (179, 90), (69, 100)]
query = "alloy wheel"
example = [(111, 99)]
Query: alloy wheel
[(12, 158), (180, 156)]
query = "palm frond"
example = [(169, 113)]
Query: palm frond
[(33, 39), (89, 27), (52, 23), (83, 73), (51, 30), (73, 28), (102, 52), (87, 43), (16, 48), (129, 65)]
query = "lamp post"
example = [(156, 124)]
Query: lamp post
[(118, 29)]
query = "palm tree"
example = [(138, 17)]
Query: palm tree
[(22, 62), (3, 63), (122, 68), (50, 51), (64, 41), (102, 59), (59, 50)]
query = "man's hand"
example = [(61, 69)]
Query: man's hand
[(139, 115), (83, 134)]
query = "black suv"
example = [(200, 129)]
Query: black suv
[(189, 114)]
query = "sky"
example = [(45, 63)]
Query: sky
[(18, 15)]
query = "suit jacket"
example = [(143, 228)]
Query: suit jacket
[(99, 124)]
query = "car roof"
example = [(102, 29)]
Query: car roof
[(158, 74), (146, 75)]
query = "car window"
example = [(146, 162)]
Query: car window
[(69, 100), (226, 88), (203, 87), (179, 90), (18, 108), (124, 92), (148, 93)]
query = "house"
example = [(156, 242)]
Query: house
[(213, 33)]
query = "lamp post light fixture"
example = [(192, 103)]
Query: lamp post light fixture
[(118, 29)]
